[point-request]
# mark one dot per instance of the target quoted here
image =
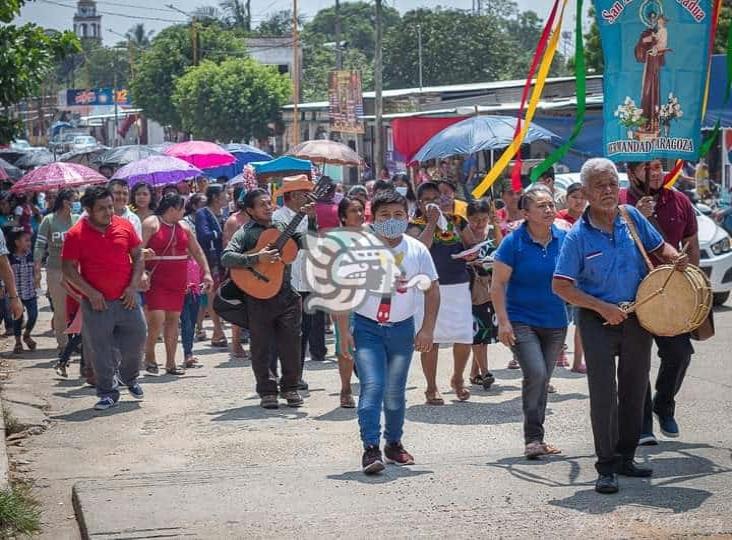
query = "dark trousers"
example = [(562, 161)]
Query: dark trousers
[(675, 355), (275, 323), (616, 409), (313, 334), (72, 344), (31, 307)]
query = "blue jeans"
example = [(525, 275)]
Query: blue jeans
[(383, 355), (31, 306), (537, 350), (188, 322)]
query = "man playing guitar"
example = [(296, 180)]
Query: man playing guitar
[(271, 320)]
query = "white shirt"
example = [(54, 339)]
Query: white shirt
[(285, 215), (413, 258)]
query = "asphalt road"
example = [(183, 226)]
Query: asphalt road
[(198, 458)]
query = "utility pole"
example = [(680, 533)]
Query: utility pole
[(339, 50), (378, 103), (295, 77), (419, 51)]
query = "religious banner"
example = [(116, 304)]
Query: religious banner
[(656, 56), (346, 101)]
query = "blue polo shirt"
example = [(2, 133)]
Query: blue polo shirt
[(529, 296), (604, 265)]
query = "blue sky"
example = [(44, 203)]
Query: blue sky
[(58, 13)]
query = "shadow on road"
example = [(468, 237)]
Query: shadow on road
[(676, 499), (390, 474), (338, 414), (90, 414), (255, 412)]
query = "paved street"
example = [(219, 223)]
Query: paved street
[(199, 458)]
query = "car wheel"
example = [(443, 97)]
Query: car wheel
[(719, 298)]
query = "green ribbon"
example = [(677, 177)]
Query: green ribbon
[(710, 140), (581, 92)]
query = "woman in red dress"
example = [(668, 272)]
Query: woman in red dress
[(172, 241)]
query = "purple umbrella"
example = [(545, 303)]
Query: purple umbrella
[(157, 171)]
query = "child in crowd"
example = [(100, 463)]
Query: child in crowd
[(26, 282)]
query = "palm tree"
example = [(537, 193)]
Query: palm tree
[(138, 37), (238, 13), (208, 14)]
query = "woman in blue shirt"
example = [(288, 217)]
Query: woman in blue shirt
[(532, 320)]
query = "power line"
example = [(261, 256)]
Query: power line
[(136, 17)]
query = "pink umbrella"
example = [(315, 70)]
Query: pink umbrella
[(201, 154), (57, 175), (3, 174)]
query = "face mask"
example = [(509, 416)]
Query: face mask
[(76, 207), (391, 228), (401, 190)]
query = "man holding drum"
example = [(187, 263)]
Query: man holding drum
[(672, 214), (599, 268)]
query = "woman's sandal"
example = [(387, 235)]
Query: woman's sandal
[(153, 368), (192, 362), (220, 343), (29, 342), (175, 371), (18, 349), (434, 398), (347, 401), (463, 394), (534, 450), (550, 449), (477, 380)]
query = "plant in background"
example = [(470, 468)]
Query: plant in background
[(630, 116)]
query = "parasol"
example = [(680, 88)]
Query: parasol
[(475, 134), (201, 154), (10, 170), (123, 155), (85, 156), (55, 176), (36, 158), (157, 171), (326, 151)]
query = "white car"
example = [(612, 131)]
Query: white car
[(715, 245), (22, 145), (83, 141)]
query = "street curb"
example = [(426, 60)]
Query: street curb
[(4, 464)]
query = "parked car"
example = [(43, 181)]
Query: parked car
[(715, 245), (22, 145), (64, 141), (83, 141)]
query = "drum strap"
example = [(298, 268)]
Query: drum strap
[(634, 233)]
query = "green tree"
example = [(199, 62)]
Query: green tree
[(236, 99), (593, 47), (357, 25), (319, 61), (167, 58), (458, 47), (28, 55), (278, 24), (725, 20), (106, 67), (138, 37)]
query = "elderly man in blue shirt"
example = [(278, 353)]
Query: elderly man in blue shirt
[(599, 268)]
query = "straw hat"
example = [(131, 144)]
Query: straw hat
[(299, 182)]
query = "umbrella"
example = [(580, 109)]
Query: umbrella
[(202, 154), (36, 158), (3, 174), (247, 179), (11, 156), (157, 171), (84, 156), (326, 151), (282, 166), (55, 176), (123, 155), (10, 170), (475, 134), (244, 154)]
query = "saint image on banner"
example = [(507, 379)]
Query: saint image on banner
[(651, 49)]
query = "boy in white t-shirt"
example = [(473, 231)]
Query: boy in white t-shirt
[(383, 337)]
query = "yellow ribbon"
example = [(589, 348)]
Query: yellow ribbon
[(541, 77)]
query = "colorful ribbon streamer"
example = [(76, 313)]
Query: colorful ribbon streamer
[(580, 92), (508, 154)]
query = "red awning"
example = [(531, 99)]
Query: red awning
[(410, 134)]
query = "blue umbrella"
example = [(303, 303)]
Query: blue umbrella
[(475, 134), (244, 154)]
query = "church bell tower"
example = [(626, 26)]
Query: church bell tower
[(87, 24)]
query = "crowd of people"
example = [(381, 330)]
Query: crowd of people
[(125, 266)]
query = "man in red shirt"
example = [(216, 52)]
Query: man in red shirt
[(672, 214), (102, 259)]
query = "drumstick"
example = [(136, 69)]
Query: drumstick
[(671, 274)]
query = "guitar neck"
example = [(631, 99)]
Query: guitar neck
[(289, 231)]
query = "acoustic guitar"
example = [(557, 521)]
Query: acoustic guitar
[(264, 280)]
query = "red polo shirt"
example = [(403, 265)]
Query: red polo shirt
[(104, 258), (674, 215)]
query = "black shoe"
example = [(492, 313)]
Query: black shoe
[(629, 468), (607, 483), (293, 398), (269, 402), (647, 439), (372, 462), (488, 380), (668, 426), (302, 385)]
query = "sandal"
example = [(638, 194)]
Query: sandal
[(550, 449), (488, 380), (201, 336), (240, 353), (29, 342), (152, 368), (192, 362), (477, 380), (347, 401), (220, 343), (581, 369), (18, 349), (463, 394), (434, 398), (175, 371), (534, 450), (513, 364)]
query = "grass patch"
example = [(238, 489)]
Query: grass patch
[(20, 513), (11, 424)]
